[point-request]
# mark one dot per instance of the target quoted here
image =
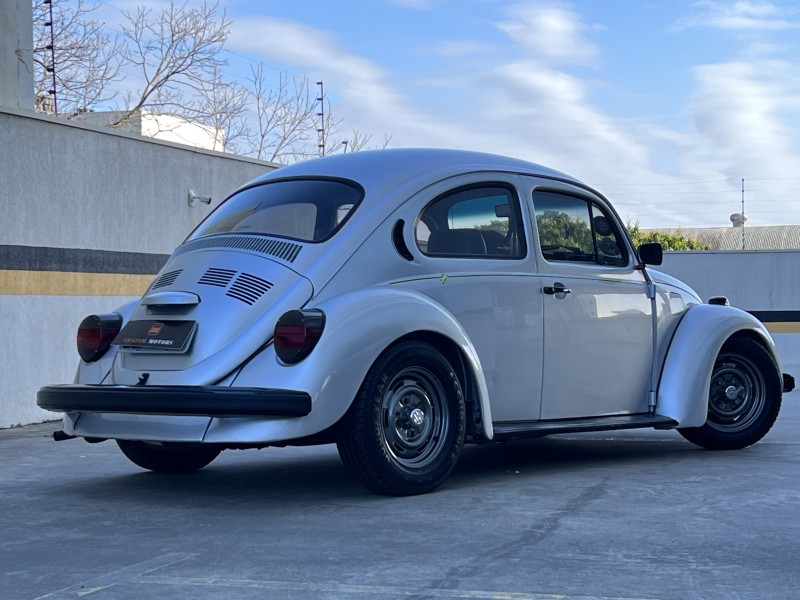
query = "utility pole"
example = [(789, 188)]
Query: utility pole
[(743, 216), (52, 47), (321, 115)]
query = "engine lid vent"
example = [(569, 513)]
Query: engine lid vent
[(167, 279), (281, 249), (217, 277), (248, 288)]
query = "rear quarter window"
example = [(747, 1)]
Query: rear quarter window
[(477, 221)]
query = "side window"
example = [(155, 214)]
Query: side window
[(475, 221), (575, 230)]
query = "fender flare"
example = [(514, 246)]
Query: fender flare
[(359, 326), (686, 375)]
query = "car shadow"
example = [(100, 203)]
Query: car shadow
[(315, 476), (573, 453)]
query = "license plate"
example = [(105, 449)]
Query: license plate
[(157, 336)]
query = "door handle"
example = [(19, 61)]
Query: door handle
[(556, 288)]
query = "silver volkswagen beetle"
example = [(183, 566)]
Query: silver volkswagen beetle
[(401, 303)]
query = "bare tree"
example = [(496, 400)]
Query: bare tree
[(87, 57), (284, 127), (290, 123), (173, 63), (222, 106), (175, 52), (359, 141)]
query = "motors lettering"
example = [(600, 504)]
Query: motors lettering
[(145, 341)]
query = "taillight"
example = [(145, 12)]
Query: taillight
[(296, 334), (95, 334)]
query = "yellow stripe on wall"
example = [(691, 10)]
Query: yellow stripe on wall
[(58, 283), (783, 327)]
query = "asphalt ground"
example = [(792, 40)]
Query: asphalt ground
[(634, 515)]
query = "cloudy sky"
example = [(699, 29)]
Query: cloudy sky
[(664, 106)]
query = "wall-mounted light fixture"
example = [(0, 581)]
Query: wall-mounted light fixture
[(194, 198)]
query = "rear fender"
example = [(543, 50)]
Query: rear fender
[(686, 376), (359, 326)]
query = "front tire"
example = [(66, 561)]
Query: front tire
[(405, 429), (744, 398), (168, 458)]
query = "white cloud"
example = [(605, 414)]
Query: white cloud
[(743, 111), (523, 106), (299, 44), (537, 113), (543, 114), (741, 16), (370, 100), (550, 31), (518, 100)]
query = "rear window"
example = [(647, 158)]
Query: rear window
[(309, 210)]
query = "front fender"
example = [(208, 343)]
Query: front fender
[(358, 327), (686, 376)]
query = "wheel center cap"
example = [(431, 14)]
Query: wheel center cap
[(417, 417), (731, 393)]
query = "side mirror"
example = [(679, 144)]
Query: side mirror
[(651, 254)]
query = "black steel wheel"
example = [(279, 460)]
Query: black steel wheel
[(168, 458), (744, 397), (405, 428)]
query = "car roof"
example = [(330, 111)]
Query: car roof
[(381, 170)]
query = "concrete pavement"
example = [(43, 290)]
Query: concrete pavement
[(634, 515)]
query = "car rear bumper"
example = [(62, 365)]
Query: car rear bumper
[(178, 400)]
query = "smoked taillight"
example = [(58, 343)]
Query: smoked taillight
[(95, 334), (296, 334)]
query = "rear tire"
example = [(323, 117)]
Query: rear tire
[(405, 429), (168, 458), (744, 398)]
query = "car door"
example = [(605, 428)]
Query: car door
[(480, 269), (597, 323)]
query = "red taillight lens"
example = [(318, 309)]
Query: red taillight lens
[(95, 334), (296, 334)]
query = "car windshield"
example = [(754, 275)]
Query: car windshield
[(309, 210)]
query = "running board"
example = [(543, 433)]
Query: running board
[(523, 429)]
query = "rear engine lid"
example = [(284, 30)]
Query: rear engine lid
[(206, 312)]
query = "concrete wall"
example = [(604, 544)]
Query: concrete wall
[(78, 186), (753, 281), (16, 54), (87, 217)]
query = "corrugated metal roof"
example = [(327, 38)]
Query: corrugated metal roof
[(756, 237)]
